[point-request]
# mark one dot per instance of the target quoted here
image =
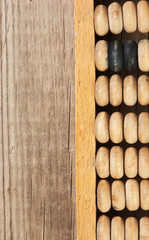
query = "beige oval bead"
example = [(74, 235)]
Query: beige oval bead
[(143, 55), (132, 195), (144, 228), (144, 127), (117, 228), (130, 90), (144, 162), (116, 127), (103, 162), (115, 90), (103, 196), (103, 228), (101, 20), (118, 195), (102, 127), (129, 17), (102, 91), (143, 16), (131, 229), (116, 162), (131, 162), (101, 55), (143, 90), (130, 128), (115, 18), (144, 193)]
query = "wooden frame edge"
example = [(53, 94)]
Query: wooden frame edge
[(85, 118)]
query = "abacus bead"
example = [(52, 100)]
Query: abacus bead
[(103, 162), (143, 16), (118, 195), (115, 55), (116, 162), (130, 90), (102, 127), (116, 127), (101, 55), (129, 17), (144, 228), (131, 229), (143, 90), (130, 128), (115, 18), (103, 228), (101, 20), (144, 127), (144, 162), (115, 90), (131, 162), (132, 195), (117, 228), (103, 196), (144, 193), (143, 55), (102, 91), (130, 55)]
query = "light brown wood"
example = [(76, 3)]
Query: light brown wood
[(130, 16), (143, 55), (102, 91), (115, 90), (130, 90), (143, 127), (144, 193), (143, 90), (102, 127), (116, 162), (101, 55), (130, 128), (115, 18), (116, 127), (103, 196), (131, 229), (131, 162), (103, 162), (144, 228), (103, 228), (118, 195), (85, 119), (132, 194), (144, 162), (143, 16), (101, 20), (117, 228)]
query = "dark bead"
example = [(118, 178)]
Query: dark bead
[(115, 55), (130, 55)]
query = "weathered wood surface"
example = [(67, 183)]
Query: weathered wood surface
[(37, 142)]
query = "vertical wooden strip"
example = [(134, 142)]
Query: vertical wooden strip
[(85, 117)]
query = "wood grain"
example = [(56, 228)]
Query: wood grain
[(85, 118), (37, 121)]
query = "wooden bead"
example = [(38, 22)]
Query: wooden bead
[(143, 55), (103, 228), (116, 162), (118, 195), (144, 193), (143, 90), (117, 228), (130, 55), (129, 17), (143, 16), (101, 55), (116, 127), (103, 196), (115, 18), (101, 20), (130, 90), (130, 128), (131, 229), (144, 228), (132, 195), (102, 127), (103, 162), (144, 127), (115, 90), (102, 91), (115, 55), (131, 162), (144, 162)]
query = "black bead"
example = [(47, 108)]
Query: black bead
[(130, 55), (115, 55)]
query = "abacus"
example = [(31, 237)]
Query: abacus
[(122, 119)]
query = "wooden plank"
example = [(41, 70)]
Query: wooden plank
[(37, 120), (85, 117)]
